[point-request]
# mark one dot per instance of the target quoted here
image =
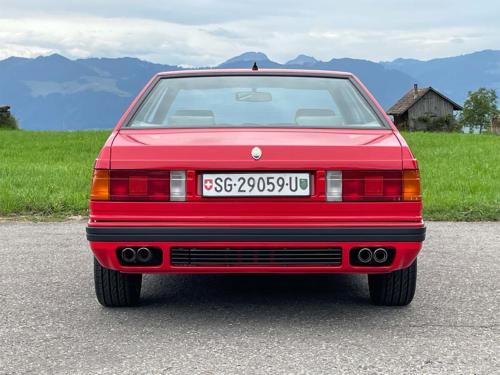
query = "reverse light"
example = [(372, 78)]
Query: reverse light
[(178, 186), (334, 186)]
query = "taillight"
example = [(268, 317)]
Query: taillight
[(133, 185), (411, 186), (139, 185), (100, 185), (373, 186)]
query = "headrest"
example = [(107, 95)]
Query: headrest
[(317, 117), (196, 117)]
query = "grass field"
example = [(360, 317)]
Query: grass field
[(47, 174), (460, 175)]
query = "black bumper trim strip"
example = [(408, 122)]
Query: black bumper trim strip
[(240, 234)]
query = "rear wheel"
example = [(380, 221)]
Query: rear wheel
[(116, 289), (394, 289)]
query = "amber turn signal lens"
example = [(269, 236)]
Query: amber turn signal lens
[(411, 186), (100, 185)]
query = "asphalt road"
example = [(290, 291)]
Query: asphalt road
[(211, 324)]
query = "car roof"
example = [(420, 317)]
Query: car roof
[(277, 72)]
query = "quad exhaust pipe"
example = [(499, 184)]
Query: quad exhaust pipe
[(129, 255), (140, 255), (144, 255), (380, 255), (367, 255)]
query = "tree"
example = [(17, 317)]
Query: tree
[(479, 108)]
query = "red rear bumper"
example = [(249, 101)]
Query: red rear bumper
[(406, 240)]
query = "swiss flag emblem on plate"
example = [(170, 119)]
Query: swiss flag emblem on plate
[(208, 183)]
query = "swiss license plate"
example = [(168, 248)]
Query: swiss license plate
[(256, 184)]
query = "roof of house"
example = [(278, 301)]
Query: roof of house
[(409, 99)]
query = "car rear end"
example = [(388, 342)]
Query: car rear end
[(185, 185)]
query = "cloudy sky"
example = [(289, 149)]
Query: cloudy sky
[(207, 32)]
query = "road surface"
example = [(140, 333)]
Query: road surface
[(212, 324)]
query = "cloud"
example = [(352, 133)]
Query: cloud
[(207, 32), (225, 33), (84, 36), (458, 40), (194, 12)]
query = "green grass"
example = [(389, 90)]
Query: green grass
[(47, 174), (460, 175)]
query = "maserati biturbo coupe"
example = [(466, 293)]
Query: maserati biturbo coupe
[(255, 171)]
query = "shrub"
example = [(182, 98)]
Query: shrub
[(7, 121), (439, 123)]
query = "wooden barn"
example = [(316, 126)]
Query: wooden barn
[(419, 106), (495, 125), (4, 110)]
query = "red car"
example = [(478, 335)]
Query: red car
[(255, 171)]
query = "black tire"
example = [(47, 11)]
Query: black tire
[(393, 289), (116, 289)]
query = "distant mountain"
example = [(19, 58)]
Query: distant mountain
[(454, 76), (387, 85), (247, 59), (303, 60), (54, 92)]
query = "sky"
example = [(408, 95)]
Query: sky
[(208, 32)]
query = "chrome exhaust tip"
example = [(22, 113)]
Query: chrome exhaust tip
[(129, 255), (365, 255), (380, 255), (144, 255)]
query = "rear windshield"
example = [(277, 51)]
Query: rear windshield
[(255, 101)]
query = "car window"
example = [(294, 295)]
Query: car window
[(255, 101)]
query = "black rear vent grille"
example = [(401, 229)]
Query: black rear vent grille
[(183, 256)]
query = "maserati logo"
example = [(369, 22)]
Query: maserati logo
[(256, 153)]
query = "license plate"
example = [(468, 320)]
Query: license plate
[(256, 184)]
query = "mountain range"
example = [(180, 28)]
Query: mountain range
[(54, 92)]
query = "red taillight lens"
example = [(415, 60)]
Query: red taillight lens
[(139, 185), (372, 186)]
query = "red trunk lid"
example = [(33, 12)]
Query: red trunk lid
[(282, 149)]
